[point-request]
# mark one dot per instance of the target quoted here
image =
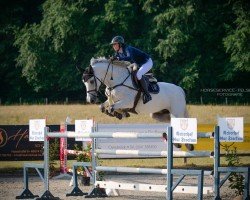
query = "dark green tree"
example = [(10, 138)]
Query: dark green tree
[(13, 16), (238, 39), (50, 50), (192, 36), (70, 33), (195, 44)]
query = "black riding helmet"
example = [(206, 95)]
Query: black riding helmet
[(117, 39)]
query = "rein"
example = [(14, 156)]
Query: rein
[(139, 91), (115, 86)]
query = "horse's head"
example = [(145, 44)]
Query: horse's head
[(92, 84), (103, 71)]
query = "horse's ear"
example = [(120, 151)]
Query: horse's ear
[(91, 71)]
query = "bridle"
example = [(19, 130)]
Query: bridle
[(91, 73), (120, 84), (86, 77)]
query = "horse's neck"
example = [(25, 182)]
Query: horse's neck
[(113, 76)]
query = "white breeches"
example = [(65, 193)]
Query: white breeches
[(144, 68)]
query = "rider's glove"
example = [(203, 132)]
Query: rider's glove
[(112, 58)]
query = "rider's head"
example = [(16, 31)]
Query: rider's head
[(117, 42)]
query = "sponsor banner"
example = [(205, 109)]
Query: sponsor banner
[(83, 126), (184, 130), (231, 129), (15, 144)]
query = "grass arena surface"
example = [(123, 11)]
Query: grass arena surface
[(205, 114)]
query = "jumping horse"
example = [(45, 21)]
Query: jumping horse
[(124, 96)]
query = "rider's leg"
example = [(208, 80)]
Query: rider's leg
[(146, 96), (143, 70)]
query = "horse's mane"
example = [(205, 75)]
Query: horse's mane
[(105, 60)]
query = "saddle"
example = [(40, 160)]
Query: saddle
[(153, 86)]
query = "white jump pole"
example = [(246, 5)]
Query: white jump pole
[(177, 154), (71, 134), (131, 170)]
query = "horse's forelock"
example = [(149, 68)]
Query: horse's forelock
[(98, 60)]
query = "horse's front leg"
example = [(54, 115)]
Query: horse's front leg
[(104, 106), (118, 107), (121, 105)]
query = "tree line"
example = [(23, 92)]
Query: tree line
[(196, 44)]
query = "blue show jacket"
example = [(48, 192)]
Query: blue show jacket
[(133, 55)]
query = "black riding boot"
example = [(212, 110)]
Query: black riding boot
[(146, 96)]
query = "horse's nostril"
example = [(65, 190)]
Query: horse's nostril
[(92, 101)]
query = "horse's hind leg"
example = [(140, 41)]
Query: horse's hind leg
[(162, 116), (190, 147)]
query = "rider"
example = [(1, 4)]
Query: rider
[(134, 55)]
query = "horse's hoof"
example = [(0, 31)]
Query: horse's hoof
[(111, 115), (164, 136), (126, 114), (177, 145), (111, 109), (118, 115), (190, 147), (107, 113)]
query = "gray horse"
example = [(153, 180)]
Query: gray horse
[(124, 97)]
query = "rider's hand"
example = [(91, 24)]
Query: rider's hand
[(112, 58)]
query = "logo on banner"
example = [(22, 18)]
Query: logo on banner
[(230, 123), (37, 125), (184, 124), (3, 137), (83, 125)]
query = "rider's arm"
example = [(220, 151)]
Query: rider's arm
[(127, 56)]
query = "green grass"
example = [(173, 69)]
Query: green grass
[(57, 113)]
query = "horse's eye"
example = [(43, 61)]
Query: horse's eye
[(92, 82)]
